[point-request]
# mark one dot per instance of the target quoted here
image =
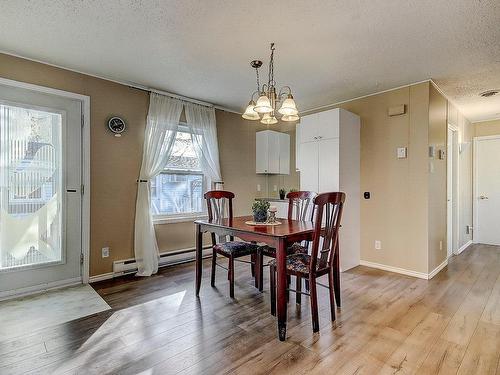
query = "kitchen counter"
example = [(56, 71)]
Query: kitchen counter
[(272, 200)]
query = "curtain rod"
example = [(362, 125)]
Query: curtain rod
[(180, 97), (175, 96)]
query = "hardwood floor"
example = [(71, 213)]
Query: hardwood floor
[(388, 324)]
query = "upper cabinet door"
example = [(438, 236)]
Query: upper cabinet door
[(273, 152), (309, 128), (284, 147), (328, 123), (261, 154)]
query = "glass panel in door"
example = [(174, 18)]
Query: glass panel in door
[(31, 187)]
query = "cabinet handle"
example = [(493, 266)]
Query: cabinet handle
[(315, 137)]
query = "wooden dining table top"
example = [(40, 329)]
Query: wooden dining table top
[(286, 228)]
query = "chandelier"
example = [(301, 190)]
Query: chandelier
[(269, 99)]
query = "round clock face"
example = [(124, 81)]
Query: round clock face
[(116, 125)]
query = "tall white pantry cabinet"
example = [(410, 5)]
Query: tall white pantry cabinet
[(328, 159)]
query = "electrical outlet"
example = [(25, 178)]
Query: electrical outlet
[(402, 153), (440, 245), (105, 252), (258, 187), (275, 188), (378, 245)]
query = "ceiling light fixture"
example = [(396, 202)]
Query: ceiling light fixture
[(268, 100), (489, 93)]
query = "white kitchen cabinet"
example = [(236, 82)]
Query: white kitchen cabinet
[(309, 157), (328, 160), (272, 152)]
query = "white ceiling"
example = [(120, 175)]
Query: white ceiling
[(328, 51)]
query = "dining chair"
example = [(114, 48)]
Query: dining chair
[(323, 258), (220, 206), (300, 207)]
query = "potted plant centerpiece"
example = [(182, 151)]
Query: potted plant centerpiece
[(282, 193), (259, 209)]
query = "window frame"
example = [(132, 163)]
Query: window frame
[(184, 216)]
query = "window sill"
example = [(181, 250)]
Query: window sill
[(177, 219)]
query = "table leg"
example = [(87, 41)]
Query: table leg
[(199, 258), (281, 289)]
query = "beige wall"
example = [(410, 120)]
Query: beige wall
[(115, 162), (486, 128), (437, 247), (397, 213)]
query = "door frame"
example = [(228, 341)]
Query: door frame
[(455, 208), (474, 180), (85, 250)]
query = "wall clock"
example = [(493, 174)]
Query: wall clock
[(116, 125)]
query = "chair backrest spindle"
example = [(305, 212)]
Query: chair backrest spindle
[(329, 208), (219, 207), (300, 205)]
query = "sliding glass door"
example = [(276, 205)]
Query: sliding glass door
[(40, 195)]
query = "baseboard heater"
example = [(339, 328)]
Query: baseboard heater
[(126, 266)]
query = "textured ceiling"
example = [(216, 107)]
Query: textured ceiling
[(327, 51)]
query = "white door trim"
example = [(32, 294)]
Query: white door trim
[(474, 180), (455, 189), (85, 160)]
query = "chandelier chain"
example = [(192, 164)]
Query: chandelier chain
[(271, 68), (258, 79)]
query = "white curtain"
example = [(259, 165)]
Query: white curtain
[(201, 123), (161, 128)]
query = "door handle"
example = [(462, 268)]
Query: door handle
[(483, 197), (70, 190)]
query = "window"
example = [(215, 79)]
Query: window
[(178, 190)]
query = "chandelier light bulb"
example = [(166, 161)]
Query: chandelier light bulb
[(263, 104), (250, 114), (288, 107), (290, 117), (269, 119)]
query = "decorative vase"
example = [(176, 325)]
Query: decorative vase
[(260, 216), (282, 196)]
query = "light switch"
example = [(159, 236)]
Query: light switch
[(401, 152), (258, 187)]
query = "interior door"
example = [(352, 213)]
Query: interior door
[(487, 163), (328, 165), (40, 189)]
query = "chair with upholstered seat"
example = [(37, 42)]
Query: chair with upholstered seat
[(324, 256), (220, 206), (300, 207)]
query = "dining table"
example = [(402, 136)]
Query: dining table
[(278, 235)]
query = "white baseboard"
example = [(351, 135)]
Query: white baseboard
[(465, 246), (22, 292), (403, 271), (166, 259), (436, 270)]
